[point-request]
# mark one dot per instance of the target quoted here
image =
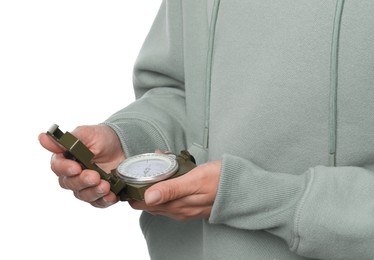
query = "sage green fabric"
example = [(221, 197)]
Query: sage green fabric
[(271, 88)]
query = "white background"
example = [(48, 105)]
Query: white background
[(70, 63)]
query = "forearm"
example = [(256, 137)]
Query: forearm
[(322, 213), (156, 120), (151, 123)]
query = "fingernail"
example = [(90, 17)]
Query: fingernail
[(88, 180), (152, 197), (99, 190), (107, 203), (72, 171)]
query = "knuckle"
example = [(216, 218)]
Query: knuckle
[(101, 203), (171, 193)]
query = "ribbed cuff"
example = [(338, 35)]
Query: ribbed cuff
[(251, 198), (138, 136)]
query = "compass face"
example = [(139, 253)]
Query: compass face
[(147, 168)]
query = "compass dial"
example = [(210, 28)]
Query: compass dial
[(147, 168)]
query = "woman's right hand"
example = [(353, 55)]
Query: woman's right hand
[(86, 184)]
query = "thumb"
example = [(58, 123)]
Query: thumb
[(166, 191), (49, 144)]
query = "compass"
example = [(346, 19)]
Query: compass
[(134, 175)]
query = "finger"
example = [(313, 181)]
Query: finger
[(137, 204), (93, 193), (86, 179), (105, 201), (177, 209), (64, 167), (169, 190), (186, 213)]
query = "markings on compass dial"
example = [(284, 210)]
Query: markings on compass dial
[(146, 171)]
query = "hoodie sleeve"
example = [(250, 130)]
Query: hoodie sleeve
[(156, 119), (324, 213)]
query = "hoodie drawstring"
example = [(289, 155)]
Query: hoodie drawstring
[(208, 83), (333, 109)]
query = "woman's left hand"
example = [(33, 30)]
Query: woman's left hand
[(189, 196)]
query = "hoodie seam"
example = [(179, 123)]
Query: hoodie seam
[(295, 242)]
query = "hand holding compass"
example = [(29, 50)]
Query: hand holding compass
[(134, 175)]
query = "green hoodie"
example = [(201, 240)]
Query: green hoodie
[(283, 93)]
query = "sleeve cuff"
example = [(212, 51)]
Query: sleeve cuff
[(251, 198), (138, 135)]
